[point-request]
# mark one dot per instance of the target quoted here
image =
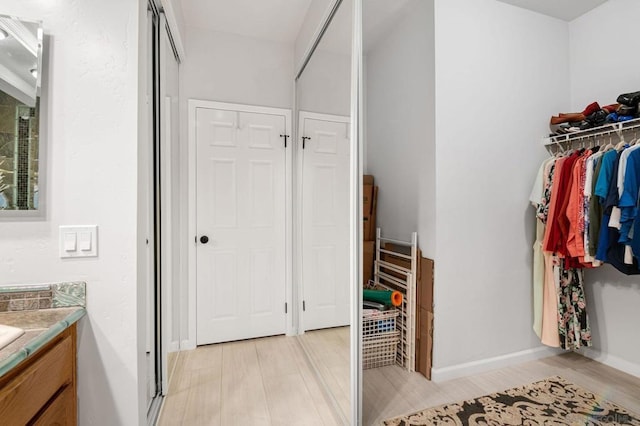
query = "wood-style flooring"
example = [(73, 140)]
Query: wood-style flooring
[(270, 381), (252, 382), (328, 352)]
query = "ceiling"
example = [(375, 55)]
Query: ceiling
[(281, 20), (567, 10), (275, 20)]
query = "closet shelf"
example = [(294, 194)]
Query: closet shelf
[(568, 140)]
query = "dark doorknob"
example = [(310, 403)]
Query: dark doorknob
[(204, 239)]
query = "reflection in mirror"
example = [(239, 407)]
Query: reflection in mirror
[(323, 99), (20, 66), (398, 70)]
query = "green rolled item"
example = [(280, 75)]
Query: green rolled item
[(387, 297)]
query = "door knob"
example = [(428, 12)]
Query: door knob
[(204, 239)]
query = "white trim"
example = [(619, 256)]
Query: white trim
[(324, 117), (190, 341), (612, 361), (255, 109), (174, 346), (193, 105), (188, 344), (296, 308), (298, 260), (488, 364), (166, 238), (355, 214)]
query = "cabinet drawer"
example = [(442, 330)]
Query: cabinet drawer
[(25, 395), (60, 412)]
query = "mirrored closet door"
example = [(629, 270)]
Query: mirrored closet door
[(323, 98), (161, 193), (397, 73)]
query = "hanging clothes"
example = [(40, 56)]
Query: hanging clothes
[(573, 323), (539, 198), (560, 208), (630, 204), (587, 212)]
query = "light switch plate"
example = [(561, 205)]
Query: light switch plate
[(85, 241)]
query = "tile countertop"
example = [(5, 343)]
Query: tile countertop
[(40, 327)]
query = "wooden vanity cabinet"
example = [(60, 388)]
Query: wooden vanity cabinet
[(42, 389)]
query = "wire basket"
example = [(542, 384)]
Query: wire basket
[(380, 338)]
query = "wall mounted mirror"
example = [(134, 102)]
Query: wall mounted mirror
[(20, 76)]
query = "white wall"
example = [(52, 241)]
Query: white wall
[(90, 95), (399, 123), (230, 68), (313, 20), (612, 297), (325, 85), (501, 71)]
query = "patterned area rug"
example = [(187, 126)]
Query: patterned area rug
[(552, 401)]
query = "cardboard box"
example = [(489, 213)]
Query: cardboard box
[(368, 255), (424, 343), (369, 205), (367, 194), (425, 287), (424, 320), (367, 200), (371, 234)]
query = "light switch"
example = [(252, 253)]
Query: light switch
[(84, 241), (69, 241), (78, 241)]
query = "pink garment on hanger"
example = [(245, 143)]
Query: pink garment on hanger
[(550, 333)]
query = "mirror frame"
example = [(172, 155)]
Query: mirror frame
[(39, 213), (357, 169)]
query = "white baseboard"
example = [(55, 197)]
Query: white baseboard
[(612, 361), (187, 345), (484, 365), (174, 346)]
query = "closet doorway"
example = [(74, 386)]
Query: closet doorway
[(325, 219), (241, 220)]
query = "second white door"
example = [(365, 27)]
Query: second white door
[(325, 220), (241, 225)]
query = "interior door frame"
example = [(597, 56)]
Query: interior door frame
[(193, 105), (299, 219)]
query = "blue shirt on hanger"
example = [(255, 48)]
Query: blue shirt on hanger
[(629, 200), (606, 174)]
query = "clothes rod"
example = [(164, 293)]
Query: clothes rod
[(607, 129)]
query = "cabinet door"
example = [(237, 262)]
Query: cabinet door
[(24, 395), (60, 412)]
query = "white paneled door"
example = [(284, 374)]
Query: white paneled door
[(241, 225), (325, 220)]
